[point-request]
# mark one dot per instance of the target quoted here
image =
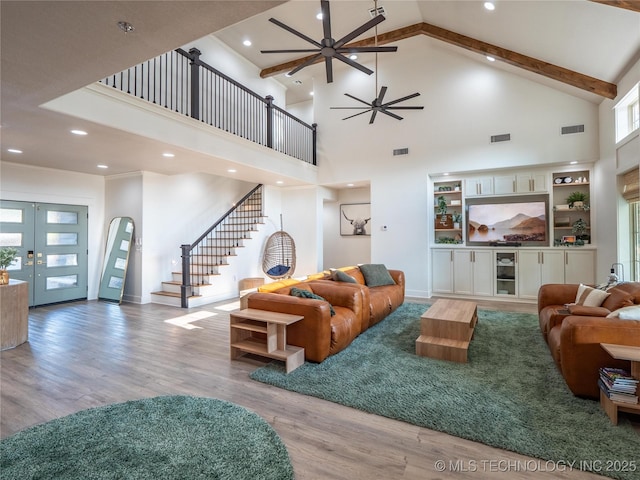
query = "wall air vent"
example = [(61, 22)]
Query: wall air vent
[(374, 12), (504, 137), (572, 129), (400, 151)]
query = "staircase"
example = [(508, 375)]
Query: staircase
[(205, 260)]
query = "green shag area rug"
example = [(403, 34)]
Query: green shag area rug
[(510, 395), (173, 437)]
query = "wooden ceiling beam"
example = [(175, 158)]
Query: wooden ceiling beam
[(628, 4), (561, 74)]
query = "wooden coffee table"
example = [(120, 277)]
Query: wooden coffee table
[(621, 352), (446, 329)]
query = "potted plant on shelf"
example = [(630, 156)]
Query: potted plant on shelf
[(577, 200), (579, 227), (457, 220), (442, 211), (8, 255)]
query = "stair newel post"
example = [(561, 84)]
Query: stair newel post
[(314, 138), (269, 100), (185, 288), (195, 82)]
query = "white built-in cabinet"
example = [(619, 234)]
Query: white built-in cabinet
[(538, 267), (471, 268), (513, 273), (474, 187), (519, 183)]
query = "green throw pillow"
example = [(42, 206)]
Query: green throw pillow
[(376, 275), (299, 292), (340, 276)]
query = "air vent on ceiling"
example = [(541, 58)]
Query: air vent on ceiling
[(401, 151), (504, 137), (374, 12), (572, 129)]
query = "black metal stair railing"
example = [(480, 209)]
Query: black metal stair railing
[(181, 82), (202, 258)]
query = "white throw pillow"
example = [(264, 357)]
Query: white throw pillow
[(631, 312), (590, 297)]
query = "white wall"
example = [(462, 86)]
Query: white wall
[(35, 184), (340, 251), (612, 211)]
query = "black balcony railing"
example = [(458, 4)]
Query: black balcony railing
[(180, 81)]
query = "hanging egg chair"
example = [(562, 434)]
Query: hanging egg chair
[(279, 259)]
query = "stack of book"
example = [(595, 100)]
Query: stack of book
[(618, 385)]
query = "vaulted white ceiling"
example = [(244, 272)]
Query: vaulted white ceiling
[(50, 48)]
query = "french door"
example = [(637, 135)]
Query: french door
[(52, 248)]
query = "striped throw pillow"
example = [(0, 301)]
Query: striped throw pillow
[(590, 297)]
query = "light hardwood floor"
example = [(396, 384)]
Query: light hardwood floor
[(89, 353)]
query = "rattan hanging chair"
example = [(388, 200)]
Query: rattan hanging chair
[(279, 259)]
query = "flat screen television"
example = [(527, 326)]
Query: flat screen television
[(515, 219)]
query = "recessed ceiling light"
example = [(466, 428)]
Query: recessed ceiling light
[(232, 170), (168, 155), (247, 43), (573, 163), (349, 184), (319, 16), (78, 132), (13, 150), (489, 6), (490, 58), (353, 56), (279, 182), (311, 93), (102, 166), (445, 174)]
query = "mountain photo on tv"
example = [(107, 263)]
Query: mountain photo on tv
[(507, 219)]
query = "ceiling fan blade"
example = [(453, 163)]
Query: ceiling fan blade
[(295, 32), (359, 31), (290, 51), (397, 117), (355, 115), (366, 49), (356, 98), (348, 61), (401, 99), (326, 18), (383, 90), (404, 108), (350, 108), (373, 116), (304, 64), (329, 68)]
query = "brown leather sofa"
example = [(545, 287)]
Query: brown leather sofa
[(574, 332), (356, 306)]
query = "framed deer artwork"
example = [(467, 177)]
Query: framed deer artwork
[(355, 219)]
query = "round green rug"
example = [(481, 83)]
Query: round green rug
[(173, 437)]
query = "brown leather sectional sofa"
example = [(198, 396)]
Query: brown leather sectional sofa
[(574, 332), (356, 305)]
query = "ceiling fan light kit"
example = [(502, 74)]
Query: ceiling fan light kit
[(329, 48)]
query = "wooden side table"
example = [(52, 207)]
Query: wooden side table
[(264, 333), (621, 352), (14, 314)]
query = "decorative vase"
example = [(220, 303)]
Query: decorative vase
[(4, 277), (578, 204)]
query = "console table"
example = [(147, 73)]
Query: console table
[(264, 333), (621, 352), (14, 314)]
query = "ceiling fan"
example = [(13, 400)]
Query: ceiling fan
[(377, 106), (328, 47)]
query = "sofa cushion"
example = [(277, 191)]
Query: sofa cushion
[(588, 311), (631, 312), (618, 298), (590, 297), (340, 276), (376, 275), (299, 292)]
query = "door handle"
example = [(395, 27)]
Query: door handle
[(40, 262)]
